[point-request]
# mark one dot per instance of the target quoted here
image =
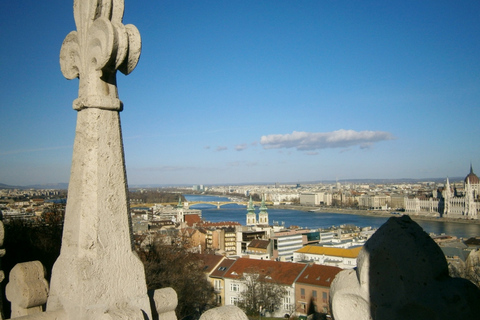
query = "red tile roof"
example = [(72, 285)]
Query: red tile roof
[(210, 261), (192, 219), (280, 272), (318, 275), (222, 268)]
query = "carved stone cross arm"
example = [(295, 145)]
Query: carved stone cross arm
[(99, 47)]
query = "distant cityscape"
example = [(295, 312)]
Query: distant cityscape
[(230, 247), (450, 198)]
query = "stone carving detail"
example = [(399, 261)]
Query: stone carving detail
[(2, 251), (165, 301), (402, 274), (100, 46), (224, 313), (27, 290)]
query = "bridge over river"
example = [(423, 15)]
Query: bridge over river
[(219, 204)]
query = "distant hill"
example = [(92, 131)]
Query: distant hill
[(64, 186), (6, 186), (56, 186), (341, 181)]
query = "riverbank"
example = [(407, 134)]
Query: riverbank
[(374, 213)]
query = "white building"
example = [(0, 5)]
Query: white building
[(316, 199), (280, 273), (328, 256), (285, 243)]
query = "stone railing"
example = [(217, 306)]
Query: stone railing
[(402, 274)]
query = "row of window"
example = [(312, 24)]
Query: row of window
[(314, 295)]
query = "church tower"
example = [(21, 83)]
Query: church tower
[(447, 196), (180, 212), (263, 215), (251, 216)]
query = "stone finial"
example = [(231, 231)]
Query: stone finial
[(27, 290), (224, 313), (402, 274), (165, 301), (100, 46)]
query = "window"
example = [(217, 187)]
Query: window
[(235, 287), (217, 284), (286, 303), (233, 301), (324, 296), (302, 293), (314, 295)]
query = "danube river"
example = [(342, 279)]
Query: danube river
[(233, 212)]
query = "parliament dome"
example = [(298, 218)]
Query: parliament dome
[(472, 177)]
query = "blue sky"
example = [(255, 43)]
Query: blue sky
[(256, 91)]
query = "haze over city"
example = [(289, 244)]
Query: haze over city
[(256, 91)]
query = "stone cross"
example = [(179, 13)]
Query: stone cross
[(98, 275)]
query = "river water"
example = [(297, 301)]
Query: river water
[(234, 212)]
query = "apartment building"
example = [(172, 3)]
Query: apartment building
[(280, 273), (312, 289), (285, 243), (344, 258)]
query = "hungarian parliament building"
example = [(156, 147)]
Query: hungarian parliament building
[(450, 202)]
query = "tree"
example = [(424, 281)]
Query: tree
[(261, 294), (174, 266), (40, 239)]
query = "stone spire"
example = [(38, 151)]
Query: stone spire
[(251, 216), (97, 274)]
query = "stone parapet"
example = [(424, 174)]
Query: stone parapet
[(27, 290), (402, 274)]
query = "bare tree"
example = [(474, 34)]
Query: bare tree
[(261, 294), (174, 266)]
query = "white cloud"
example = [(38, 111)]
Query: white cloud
[(240, 147), (324, 140), (221, 148)]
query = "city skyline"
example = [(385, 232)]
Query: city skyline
[(257, 91)]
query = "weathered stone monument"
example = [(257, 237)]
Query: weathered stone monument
[(98, 273), (402, 274)]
